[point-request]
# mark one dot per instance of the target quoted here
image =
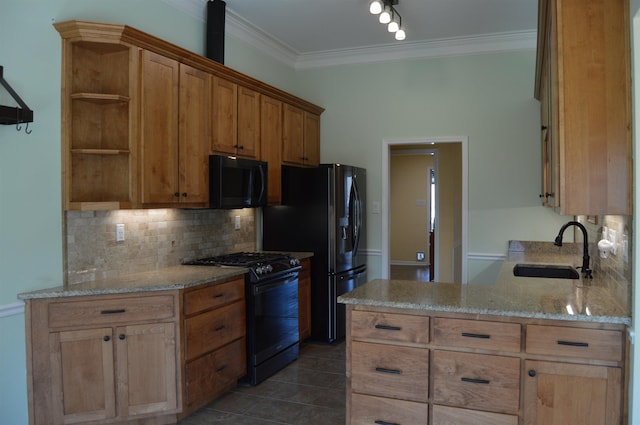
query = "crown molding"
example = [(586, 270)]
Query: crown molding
[(262, 41), (492, 43)]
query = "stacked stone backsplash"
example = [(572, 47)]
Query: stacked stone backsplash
[(616, 267), (154, 239)]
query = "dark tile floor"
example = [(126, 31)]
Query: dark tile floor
[(401, 272), (310, 391)]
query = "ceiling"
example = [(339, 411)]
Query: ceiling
[(308, 33)]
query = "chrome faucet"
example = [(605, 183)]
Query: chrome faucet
[(585, 250)]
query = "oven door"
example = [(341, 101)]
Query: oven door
[(272, 317)]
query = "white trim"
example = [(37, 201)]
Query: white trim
[(12, 309), (386, 148), (410, 263), (371, 252), (485, 256), (244, 30), (492, 43)]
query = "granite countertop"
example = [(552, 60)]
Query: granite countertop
[(560, 299), (168, 278)]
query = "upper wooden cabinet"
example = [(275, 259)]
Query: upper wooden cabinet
[(135, 112), (174, 133), (98, 124), (271, 149), (583, 83), (236, 119), (301, 137)]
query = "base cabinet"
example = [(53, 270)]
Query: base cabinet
[(563, 393), (103, 360), (304, 300), (422, 367)]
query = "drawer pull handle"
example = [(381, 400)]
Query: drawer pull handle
[(221, 327), (472, 335), (219, 295), (221, 368), (389, 328), (475, 381), (384, 370), (573, 344), (116, 311), (379, 422)]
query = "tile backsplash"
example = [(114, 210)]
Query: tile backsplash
[(616, 266), (154, 239)]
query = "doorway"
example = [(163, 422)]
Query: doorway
[(450, 233)]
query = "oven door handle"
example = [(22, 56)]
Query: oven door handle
[(281, 281)]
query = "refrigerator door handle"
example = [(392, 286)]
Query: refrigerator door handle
[(357, 215)]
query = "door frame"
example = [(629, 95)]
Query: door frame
[(423, 143)]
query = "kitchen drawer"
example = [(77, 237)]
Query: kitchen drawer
[(445, 415), (594, 344), (215, 372), (390, 371), (213, 329), (476, 381), (213, 296), (368, 410), (389, 326), (110, 311), (496, 336)]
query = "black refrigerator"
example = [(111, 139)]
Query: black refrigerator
[(323, 211)]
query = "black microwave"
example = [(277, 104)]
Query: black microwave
[(237, 182)]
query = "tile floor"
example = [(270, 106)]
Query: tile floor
[(310, 391)]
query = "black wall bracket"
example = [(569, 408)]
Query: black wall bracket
[(10, 115)]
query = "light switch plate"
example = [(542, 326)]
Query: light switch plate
[(119, 232)]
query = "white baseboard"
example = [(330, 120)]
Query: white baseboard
[(12, 309), (410, 263), (481, 256)]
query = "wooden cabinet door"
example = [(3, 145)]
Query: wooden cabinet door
[(304, 300), (146, 356), (248, 136), (224, 110), (271, 146), (194, 131), (159, 129), (571, 394), (292, 135), (311, 139), (82, 375)]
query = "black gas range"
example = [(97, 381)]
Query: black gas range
[(271, 291), (262, 265)]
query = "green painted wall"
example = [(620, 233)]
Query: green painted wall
[(488, 98)]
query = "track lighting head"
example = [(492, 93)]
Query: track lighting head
[(389, 16)]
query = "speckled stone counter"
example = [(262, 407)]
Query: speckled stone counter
[(559, 299), (177, 277)]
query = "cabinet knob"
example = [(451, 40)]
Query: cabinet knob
[(106, 338), (184, 194), (121, 337), (176, 194), (532, 373)]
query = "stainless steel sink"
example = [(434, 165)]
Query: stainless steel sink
[(550, 271)]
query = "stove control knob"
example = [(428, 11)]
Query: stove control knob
[(258, 270), (268, 268), (294, 262)]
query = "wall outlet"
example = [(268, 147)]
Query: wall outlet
[(120, 232), (236, 222), (419, 256), (613, 238)]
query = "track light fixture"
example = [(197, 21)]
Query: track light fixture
[(389, 16)]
